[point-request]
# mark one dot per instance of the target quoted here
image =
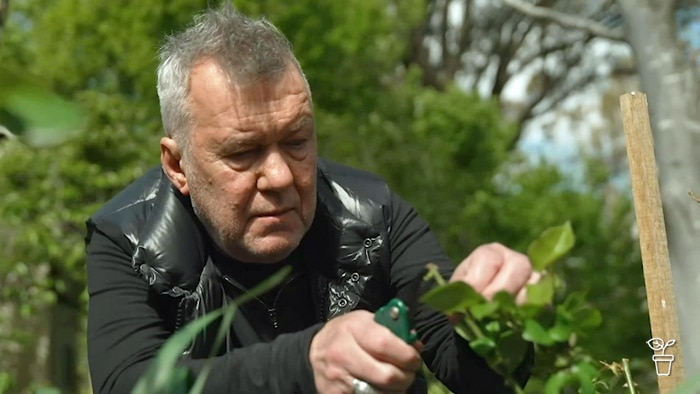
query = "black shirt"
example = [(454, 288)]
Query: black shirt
[(126, 324), (282, 309)]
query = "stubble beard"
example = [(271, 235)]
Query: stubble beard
[(241, 247)]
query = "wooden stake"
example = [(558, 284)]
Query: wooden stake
[(661, 298)]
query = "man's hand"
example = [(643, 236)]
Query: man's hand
[(354, 346), (493, 267)]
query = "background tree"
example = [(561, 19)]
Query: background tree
[(670, 79), (495, 50)]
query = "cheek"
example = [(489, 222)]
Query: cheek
[(307, 192), (236, 189), (306, 169), (305, 179)]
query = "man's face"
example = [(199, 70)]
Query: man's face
[(251, 165)]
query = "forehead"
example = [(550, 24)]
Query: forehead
[(262, 105)]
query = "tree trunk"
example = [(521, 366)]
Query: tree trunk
[(63, 346), (672, 87)]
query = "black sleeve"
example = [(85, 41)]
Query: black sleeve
[(449, 357), (125, 332)]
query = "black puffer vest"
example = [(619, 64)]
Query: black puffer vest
[(347, 247)]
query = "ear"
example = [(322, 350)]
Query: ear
[(171, 159)]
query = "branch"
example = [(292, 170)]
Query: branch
[(624, 71), (544, 51), (565, 20), (4, 11)]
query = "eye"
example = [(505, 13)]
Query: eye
[(244, 154), (296, 143)]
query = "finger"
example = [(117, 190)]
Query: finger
[(359, 364), (513, 275), (393, 385), (385, 346), (419, 346), (480, 268), (376, 355), (521, 297), (383, 376)]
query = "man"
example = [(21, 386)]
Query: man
[(240, 194)]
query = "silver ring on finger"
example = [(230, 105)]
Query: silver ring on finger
[(362, 387)]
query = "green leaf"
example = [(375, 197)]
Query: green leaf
[(527, 311), (505, 301), (553, 244), (577, 313), (557, 382), (602, 386), (541, 293), (162, 374), (493, 326), (534, 332), (481, 311), (512, 348), (586, 375), (587, 319), (455, 297), (560, 332), (39, 115), (574, 301), (263, 287), (484, 347), (462, 332)]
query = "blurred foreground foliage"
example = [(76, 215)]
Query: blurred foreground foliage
[(448, 152)]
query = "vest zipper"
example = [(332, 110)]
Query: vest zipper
[(323, 304), (180, 315)]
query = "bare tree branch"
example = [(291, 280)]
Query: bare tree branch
[(546, 50), (419, 52), (444, 46), (564, 20), (626, 70), (4, 11), (465, 31), (509, 42)]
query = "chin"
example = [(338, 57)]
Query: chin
[(270, 251)]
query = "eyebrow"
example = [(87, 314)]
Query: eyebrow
[(239, 141), (251, 138), (303, 121)]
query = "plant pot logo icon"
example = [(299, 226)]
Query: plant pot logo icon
[(662, 361)]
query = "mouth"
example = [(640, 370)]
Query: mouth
[(274, 213)]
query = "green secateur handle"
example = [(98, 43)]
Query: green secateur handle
[(394, 316)]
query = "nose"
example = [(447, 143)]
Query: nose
[(275, 173)]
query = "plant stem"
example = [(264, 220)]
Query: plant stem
[(473, 326), (514, 384), (628, 375), (468, 325), (434, 273)]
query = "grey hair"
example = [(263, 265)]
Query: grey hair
[(248, 50)]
